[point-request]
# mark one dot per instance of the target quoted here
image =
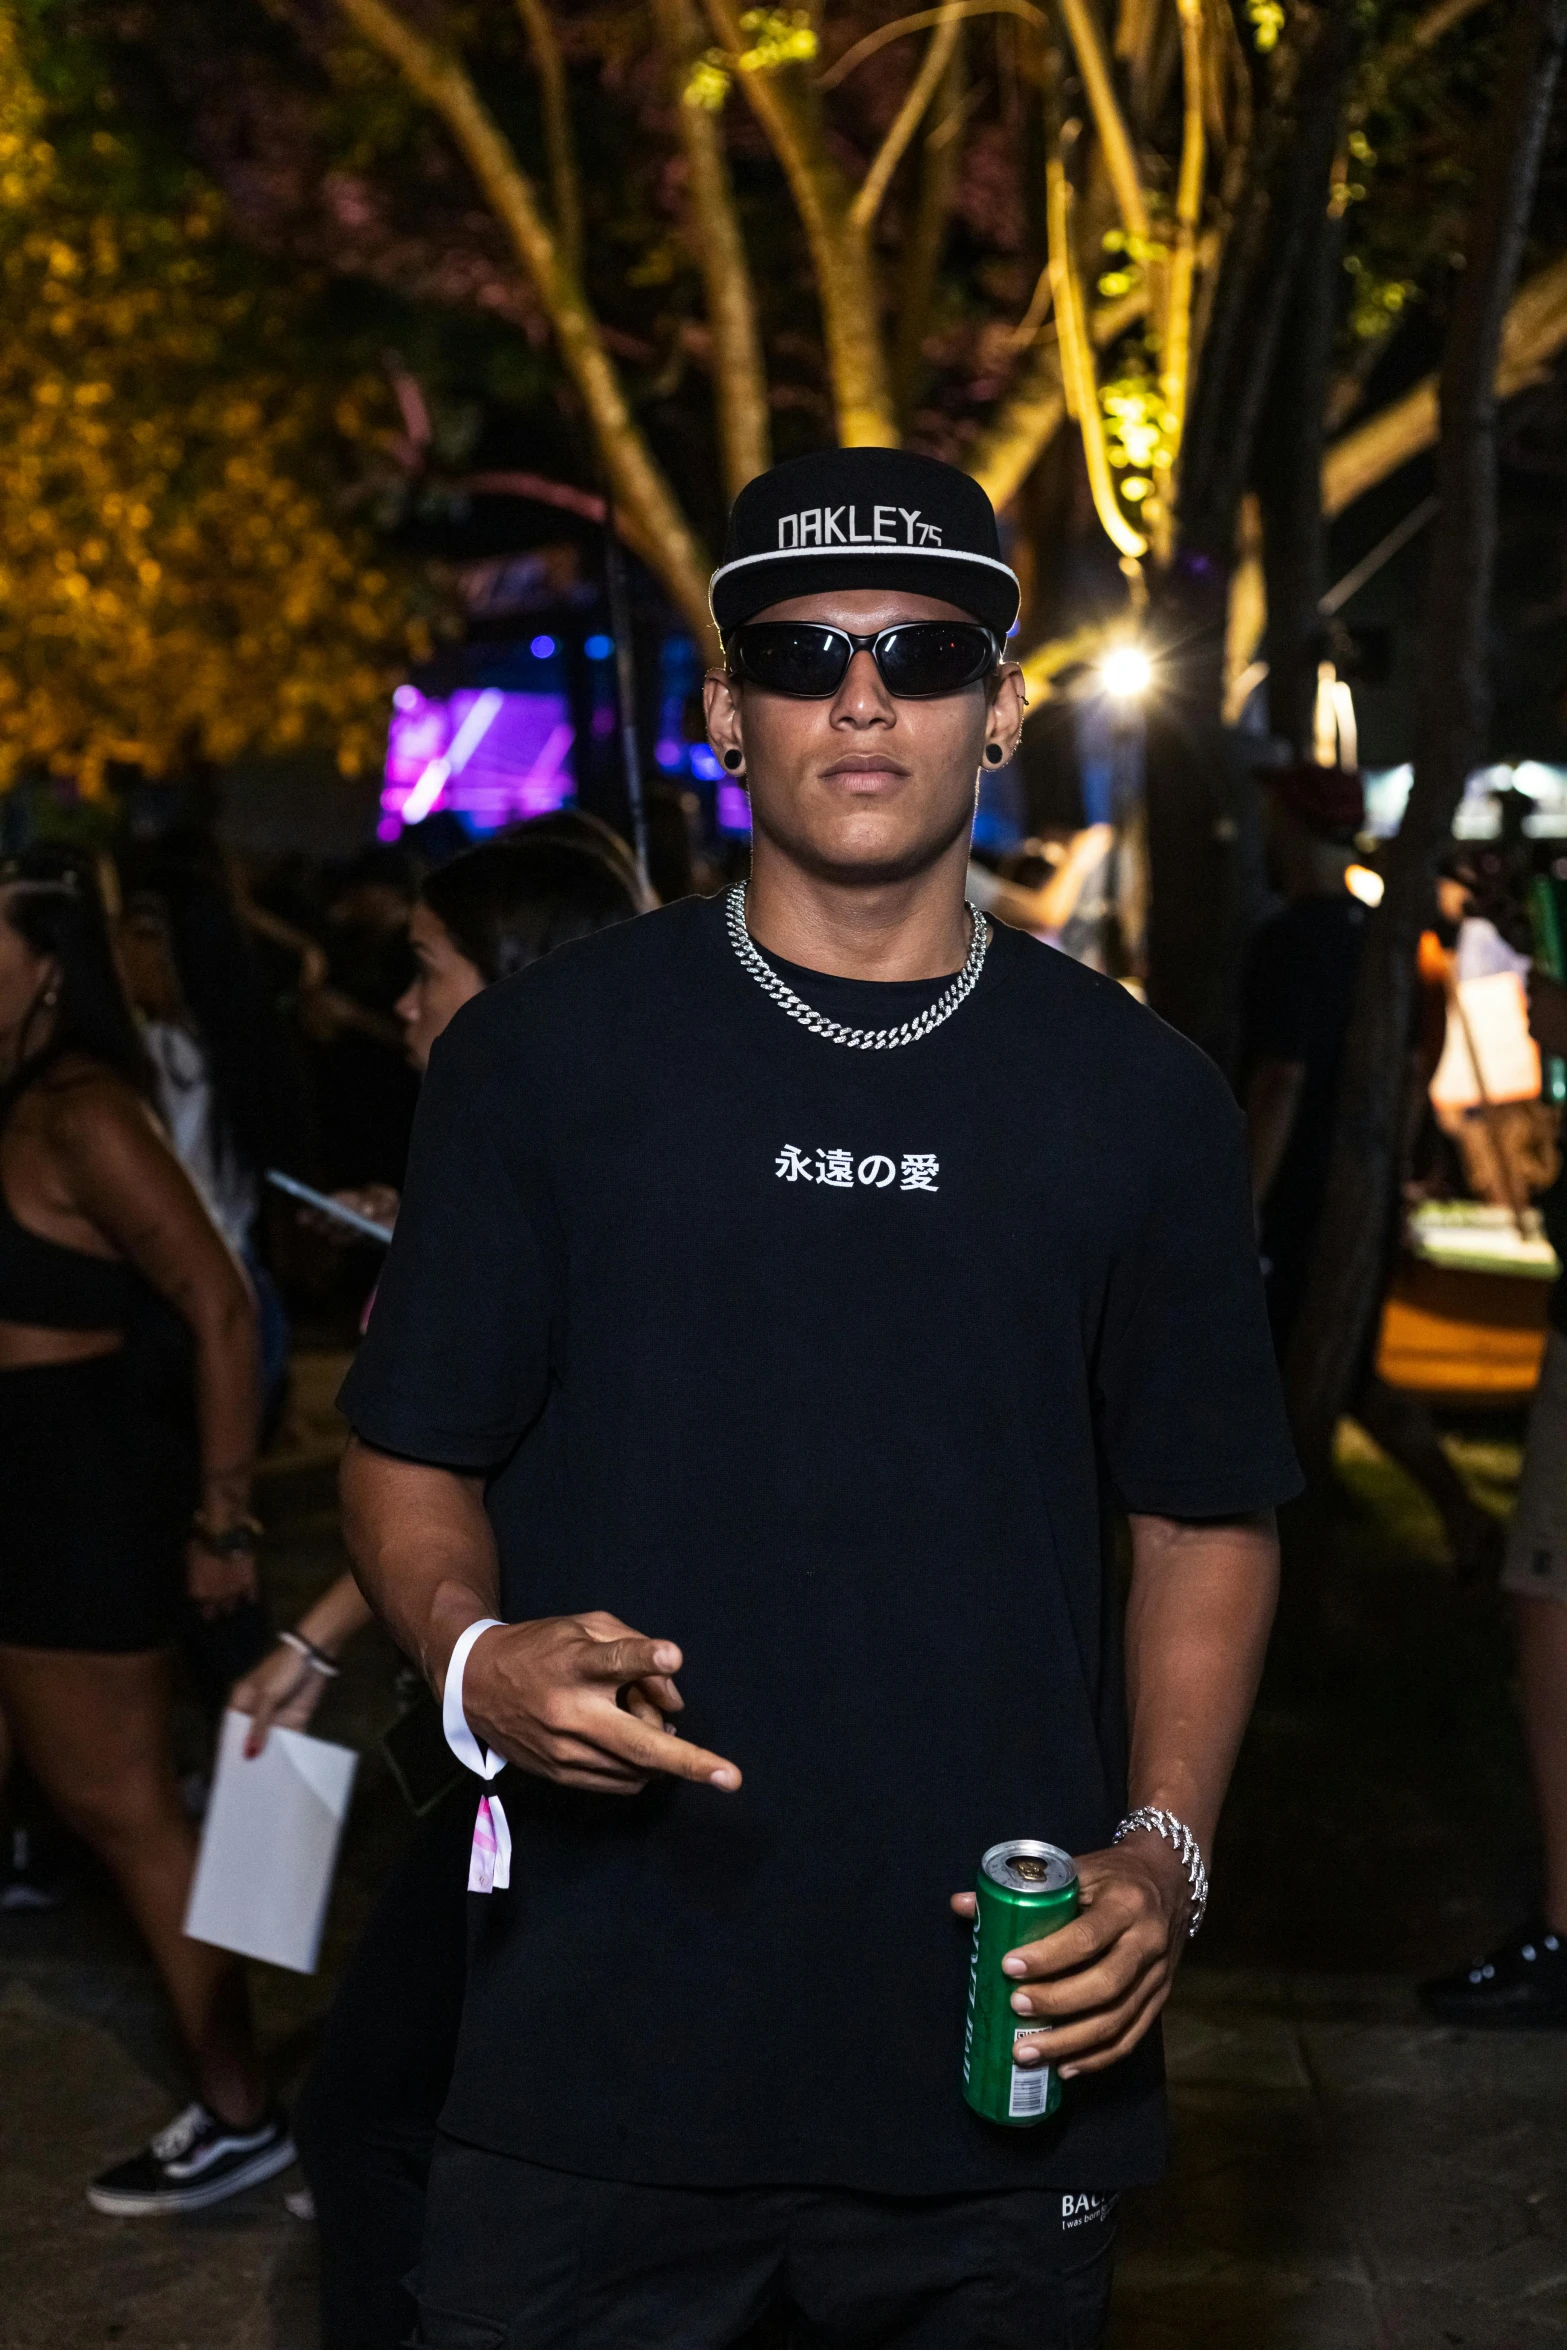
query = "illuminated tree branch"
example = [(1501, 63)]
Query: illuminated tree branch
[(926, 236), (1534, 331), (1430, 27), (1046, 661), (1034, 411), (787, 106), (559, 145), (438, 76), (1176, 342), (873, 189), (717, 246), (1077, 363), (1120, 159), (921, 22)]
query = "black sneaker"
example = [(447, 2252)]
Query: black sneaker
[(197, 2160), (1520, 1986)]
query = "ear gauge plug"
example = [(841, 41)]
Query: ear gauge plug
[(995, 756), (734, 761)]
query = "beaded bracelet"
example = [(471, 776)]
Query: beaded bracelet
[(316, 1658), (1174, 1832)]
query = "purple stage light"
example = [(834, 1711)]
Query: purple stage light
[(734, 808), (491, 757)]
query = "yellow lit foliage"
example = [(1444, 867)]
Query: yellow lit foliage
[(1140, 432), (173, 576), (707, 85), (1267, 22), (778, 37)]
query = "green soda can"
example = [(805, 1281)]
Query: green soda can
[(1023, 1891)]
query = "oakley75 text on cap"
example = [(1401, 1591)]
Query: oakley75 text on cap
[(863, 518)]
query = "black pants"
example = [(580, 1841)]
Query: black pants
[(517, 2257), (365, 2125)]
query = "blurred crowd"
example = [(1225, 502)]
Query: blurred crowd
[(173, 1033), (178, 1027)]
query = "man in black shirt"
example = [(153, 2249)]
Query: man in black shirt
[(787, 1289), (1298, 995)]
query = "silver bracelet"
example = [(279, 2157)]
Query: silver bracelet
[(1175, 1832), (316, 1658)]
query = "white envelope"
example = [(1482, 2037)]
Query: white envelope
[(269, 1845)]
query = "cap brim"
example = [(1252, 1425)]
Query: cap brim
[(977, 584)]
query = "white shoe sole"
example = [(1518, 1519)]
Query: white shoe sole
[(263, 2165)]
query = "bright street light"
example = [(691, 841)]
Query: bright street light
[(1127, 673)]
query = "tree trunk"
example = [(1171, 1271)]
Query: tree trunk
[(788, 108), (1202, 823), (648, 505), (1534, 331), (714, 239), (1350, 1264), (926, 236), (1191, 825), (1289, 481), (1286, 194)]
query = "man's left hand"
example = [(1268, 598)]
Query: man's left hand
[(1098, 1984)]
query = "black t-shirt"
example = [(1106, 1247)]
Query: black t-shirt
[(822, 1363)]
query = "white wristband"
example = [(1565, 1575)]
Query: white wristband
[(454, 1721)]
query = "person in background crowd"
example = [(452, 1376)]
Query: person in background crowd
[(1504, 1139), (1523, 1982), (231, 1091), (493, 911), (591, 832), (110, 1499), (1298, 994), (673, 831), (234, 1101), (365, 1094), (365, 2125)]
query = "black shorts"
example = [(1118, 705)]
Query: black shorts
[(517, 2257), (96, 1490)]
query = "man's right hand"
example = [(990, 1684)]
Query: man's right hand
[(582, 1700)]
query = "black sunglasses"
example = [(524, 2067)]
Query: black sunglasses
[(918, 659)]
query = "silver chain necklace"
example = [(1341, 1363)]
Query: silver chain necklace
[(860, 1040)]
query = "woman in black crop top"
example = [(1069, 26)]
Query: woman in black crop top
[(114, 1493)]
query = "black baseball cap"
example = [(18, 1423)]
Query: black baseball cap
[(863, 518)]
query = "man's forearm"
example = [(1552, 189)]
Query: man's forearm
[(422, 1549), (580, 1699), (1197, 1624)]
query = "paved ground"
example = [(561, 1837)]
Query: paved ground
[(1346, 2176)]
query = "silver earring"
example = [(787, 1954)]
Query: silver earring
[(49, 998)]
